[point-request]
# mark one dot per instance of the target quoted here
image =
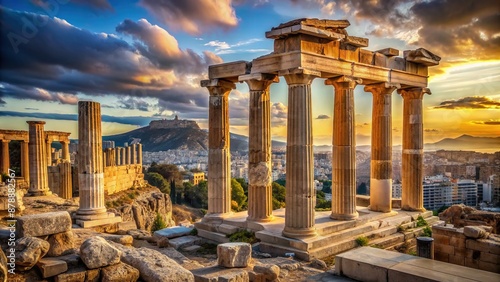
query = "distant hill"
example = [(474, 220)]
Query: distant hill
[(163, 135), (461, 143)]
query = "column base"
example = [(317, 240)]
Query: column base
[(408, 208), (38, 193), (94, 213), (98, 220), (95, 216), (299, 233), (215, 217), (338, 216), (266, 219)]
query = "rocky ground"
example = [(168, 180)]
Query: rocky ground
[(61, 251)]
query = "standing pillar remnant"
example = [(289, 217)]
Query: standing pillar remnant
[(118, 156), (260, 201), (65, 180), (381, 147), (300, 190), (412, 197), (25, 162), (219, 155), (92, 211), (129, 155), (39, 182), (48, 151), (104, 158), (134, 153), (344, 149), (139, 154), (5, 157), (65, 150)]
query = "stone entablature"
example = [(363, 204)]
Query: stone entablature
[(304, 50)]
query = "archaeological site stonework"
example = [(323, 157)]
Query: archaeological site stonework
[(307, 50)]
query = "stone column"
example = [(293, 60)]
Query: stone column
[(48, 148), (39, 182), (104, 158), (260, 199), (412, 197), (65, 150), (134, 153), (300, 190), (344, 149), (90, 161), (65, 180), (25, 161), (5, 156), (129, 155), (219, 155), (381, 147), (139, 154), (118, 156), (124, 155)]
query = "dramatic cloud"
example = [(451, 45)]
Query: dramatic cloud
[(474, 102), (48, 59), (132, 120), (132, 103), (323, 117), (488, 122), (193, 16), (279, 114), (222, 47)]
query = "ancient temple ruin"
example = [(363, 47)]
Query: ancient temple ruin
[(304, 50)]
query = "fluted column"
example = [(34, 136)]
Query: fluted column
[(139, 154), (25, 161), (344, 149), (118, 156), (219, 155), (5, 157), (90, 161), (129, 155), (134, 153), (39, 182), (381, 147), (300, 190), (48, 151), (124, 156), (260, 199), (65, 180), (65, 150), (412, 197), (105, 158)]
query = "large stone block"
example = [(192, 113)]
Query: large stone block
[(173, 232), (121, 272), (476, 232), (234, 254), (484, 245), (61, 244), (29, 250), (43, 224), (51, 267), (153, 266), (96, 252)]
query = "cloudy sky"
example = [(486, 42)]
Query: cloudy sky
[(143, 60)]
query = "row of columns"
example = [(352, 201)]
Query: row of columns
[(123, 155), (5, 160), (300, 191)]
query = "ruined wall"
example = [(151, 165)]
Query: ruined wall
[(123, 177), (452, 246)]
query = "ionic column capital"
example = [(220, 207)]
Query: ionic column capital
[(382, 88), (218, 87), (414, 92), (259, 81), (343, 81)]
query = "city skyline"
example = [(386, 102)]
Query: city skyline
[(152, 55)]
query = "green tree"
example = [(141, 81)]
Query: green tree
[(279, 194), (238, 195), (173, 192), (327, 186), (158, 223), (243, 184), (159, 181), (168, 171), (321, 202)]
